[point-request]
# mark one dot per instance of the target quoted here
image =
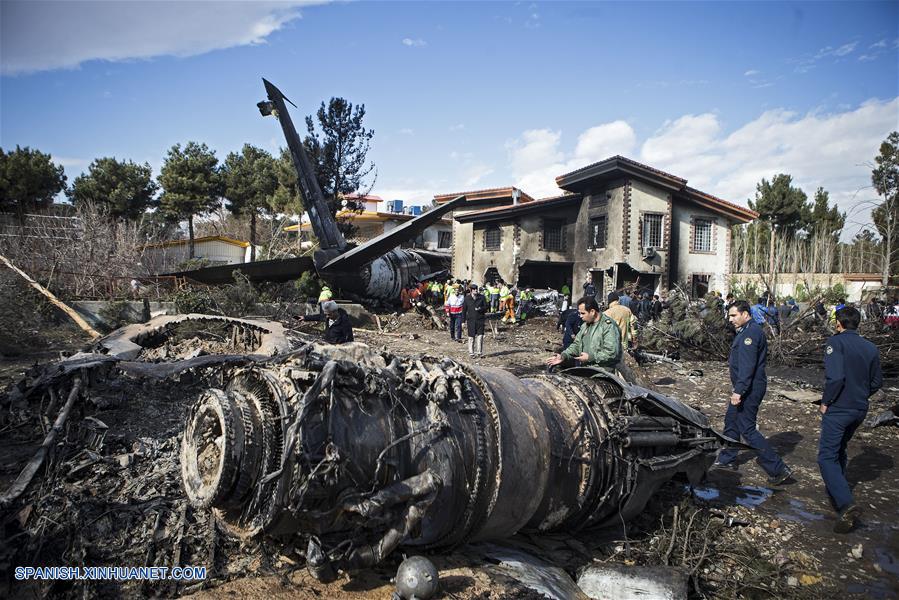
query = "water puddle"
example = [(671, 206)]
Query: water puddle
[(887, 561), (798, 514), (749, 496)]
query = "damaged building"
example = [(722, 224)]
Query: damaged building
[(626, 223)]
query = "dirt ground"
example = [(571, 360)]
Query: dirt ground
[(776, 543)]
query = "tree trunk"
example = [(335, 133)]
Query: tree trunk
[(190, 236), (888, 250), (253, 236), (772, 270)]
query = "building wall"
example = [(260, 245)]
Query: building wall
[(716, 263), (167, 258), (504, 260), (608, 201)]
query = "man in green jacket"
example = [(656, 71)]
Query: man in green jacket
[(598, 342)]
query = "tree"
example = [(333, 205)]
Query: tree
[(885, 178), (191, 184), (823, 219), (126, 189), (29, 180), (250, 181), (338, 152), (782, 206)]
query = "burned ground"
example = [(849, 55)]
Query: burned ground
[(120, 502)]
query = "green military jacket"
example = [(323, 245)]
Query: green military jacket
[(601, 341)]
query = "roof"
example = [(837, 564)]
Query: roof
[(365, 215), (502, 192), (616, 166), (503, 212), (207, 238)]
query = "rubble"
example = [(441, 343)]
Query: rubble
[(109, 492)]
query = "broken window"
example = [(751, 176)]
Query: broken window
[(552, 235), (492, 238), (702, 235), (598, 232), (444, 239), (700, 285), (652, 230)]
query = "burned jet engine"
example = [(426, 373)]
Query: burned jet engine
[(359, 452)]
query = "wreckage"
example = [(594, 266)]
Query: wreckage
[(378, 268), (357, 452)]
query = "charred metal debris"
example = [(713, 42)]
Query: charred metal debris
[(350, 453)]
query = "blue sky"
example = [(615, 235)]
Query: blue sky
[(470, 95)]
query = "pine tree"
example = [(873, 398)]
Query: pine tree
[(250, 181), (191, 184), (125, 188), (29, 180)]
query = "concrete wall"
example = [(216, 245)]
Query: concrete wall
[(857, 288), (92, 310)]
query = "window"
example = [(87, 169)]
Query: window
[(702, 235), (598, 232), (492, 238), (444, 239), (652, 230), (552, 234), (700, 285)]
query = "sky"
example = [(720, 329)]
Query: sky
[(471, 95)]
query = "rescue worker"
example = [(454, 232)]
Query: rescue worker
[(453, 309), (597, 343), (506, 303), (852, 374), (474, 307), (589, 288), (525, 301), (491, 295), (325, 294), (565, 291), (748, 356), (338, 329), (623, 317)]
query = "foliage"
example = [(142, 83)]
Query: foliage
[(824, 219), (191, 183), (780, 204), (127, 189), (338, 153), (250, 181), (287, 197), (745, 290), (885, 178), (116, 313), (691, 326), (29, 180), (189, 299), (308, 285), (192, 264)]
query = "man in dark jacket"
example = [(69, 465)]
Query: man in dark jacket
[(852, 374), (474, 307), (338, 329), (748, 355)]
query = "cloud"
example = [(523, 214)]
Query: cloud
[(828, 149), (807, 62), (880, 44), (406, 131), (475, 173), (536, 158), (818, 149), (457, 127), (752, 72), (57, 34), (416, 43)]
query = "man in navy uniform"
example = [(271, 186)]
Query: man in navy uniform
[(852, 374), (748, 355)]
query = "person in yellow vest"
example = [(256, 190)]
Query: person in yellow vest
[(325, 294), (492, 296), (506, 303)]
